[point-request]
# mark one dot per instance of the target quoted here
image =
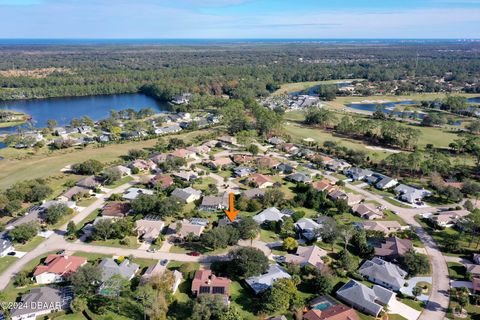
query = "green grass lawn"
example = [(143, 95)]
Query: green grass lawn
[(30, 245), (90, 218), (417, 305), (268, 236), (20, 165), (120, 182), (86, 202), (241, 298), (5, 262), (132, 243), (457, 271), (203, 182)]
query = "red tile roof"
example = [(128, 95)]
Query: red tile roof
[(62, 265), (208, 281), (337, 312)]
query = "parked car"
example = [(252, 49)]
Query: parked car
[(194, 253)]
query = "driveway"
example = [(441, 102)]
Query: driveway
[(412, 283), (397, 307)]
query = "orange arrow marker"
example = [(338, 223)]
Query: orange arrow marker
[(231, 212)]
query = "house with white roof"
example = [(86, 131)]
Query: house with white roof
[(307, 228), (270, 214), (134, 193), (187, 195), (265, 281)]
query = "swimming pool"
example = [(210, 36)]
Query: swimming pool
[(323, 305)]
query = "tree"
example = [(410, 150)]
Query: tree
[(71, 229), (416, 291), (323, 281), (347, 232), (111, 175), (188, 269), (86, 279), (231, 314), (136, 154), (220, 237), (474, 127), (51, 124), (329, 232), (79, 304), (248, 228), (346, 261), (88, 167), (319, 116), (253, 149), (103, 230), (247, 262), (415, 263), (154, 302), (290, 244), (208, 306), (23, 232), (273, 197), (55, 212), (22, 279), (282, 296)]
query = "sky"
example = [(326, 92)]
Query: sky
[(230, 19)]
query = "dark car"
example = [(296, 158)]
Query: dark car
[(194, 253)]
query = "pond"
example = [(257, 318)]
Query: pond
[(388, 107), (63, 110)]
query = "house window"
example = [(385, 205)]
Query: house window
[(218, 290), (204, 289)]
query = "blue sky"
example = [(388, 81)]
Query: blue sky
[(239, 19)]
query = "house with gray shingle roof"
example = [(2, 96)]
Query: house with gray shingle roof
[(187, 195), (307, 228), (358, 173), (384, 273), (270, 214), (42, 301), (410, 194), (386, 183), (365, 299), (265, 281), (110, 268), (299, 177)]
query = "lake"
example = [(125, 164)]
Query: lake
[(63, 110)]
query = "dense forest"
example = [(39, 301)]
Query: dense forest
[(238, 70)]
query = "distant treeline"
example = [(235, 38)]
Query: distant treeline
[(240, 71)]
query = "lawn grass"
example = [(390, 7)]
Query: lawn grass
[(30, 245), (241, 298), (457, 271), (120, 182), (268, 236), (397, 203), (203, 182), (415, 304), (132, 243), (86, 202), (5, 262), (20, 165)]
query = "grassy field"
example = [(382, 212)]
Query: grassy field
[(132, 243), (21, 165), (413, 96), (5, 262), (299, 86), (30, 245)]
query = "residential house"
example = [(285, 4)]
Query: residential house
[(91, 182), (265, 281), (48, 204), (267, 215), (183, 98), (386, 227), (162, 181), (242, 158), (253, 193), (200, 150), (84, 129), (323, 186), (157, 270), (410, 194), (183, 154), (228, 140), (187, 227), (134, 193), (70, 194), (267, 162), (41, 302), (447, 219), (149, 228), (159, 158), (334, 312), (357, 174), (386, 183), (367, 211), (393, 248), (56, 268), (124, 171), (337, 165), (143, 165), (187, 195), (337, 195), (214, 203), (126, 269), (365, 299), (383, 273), (185, 175), (116, 209), (307, 228), (353, 199), (205, 282), (311, 255), (290, 148), (472, 269), (299, 177), (219, 163), (199, 221), (168, 129), (260, 181), (5, 247), (285, 168), (242, 171), (475, 285), (276, 141)]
